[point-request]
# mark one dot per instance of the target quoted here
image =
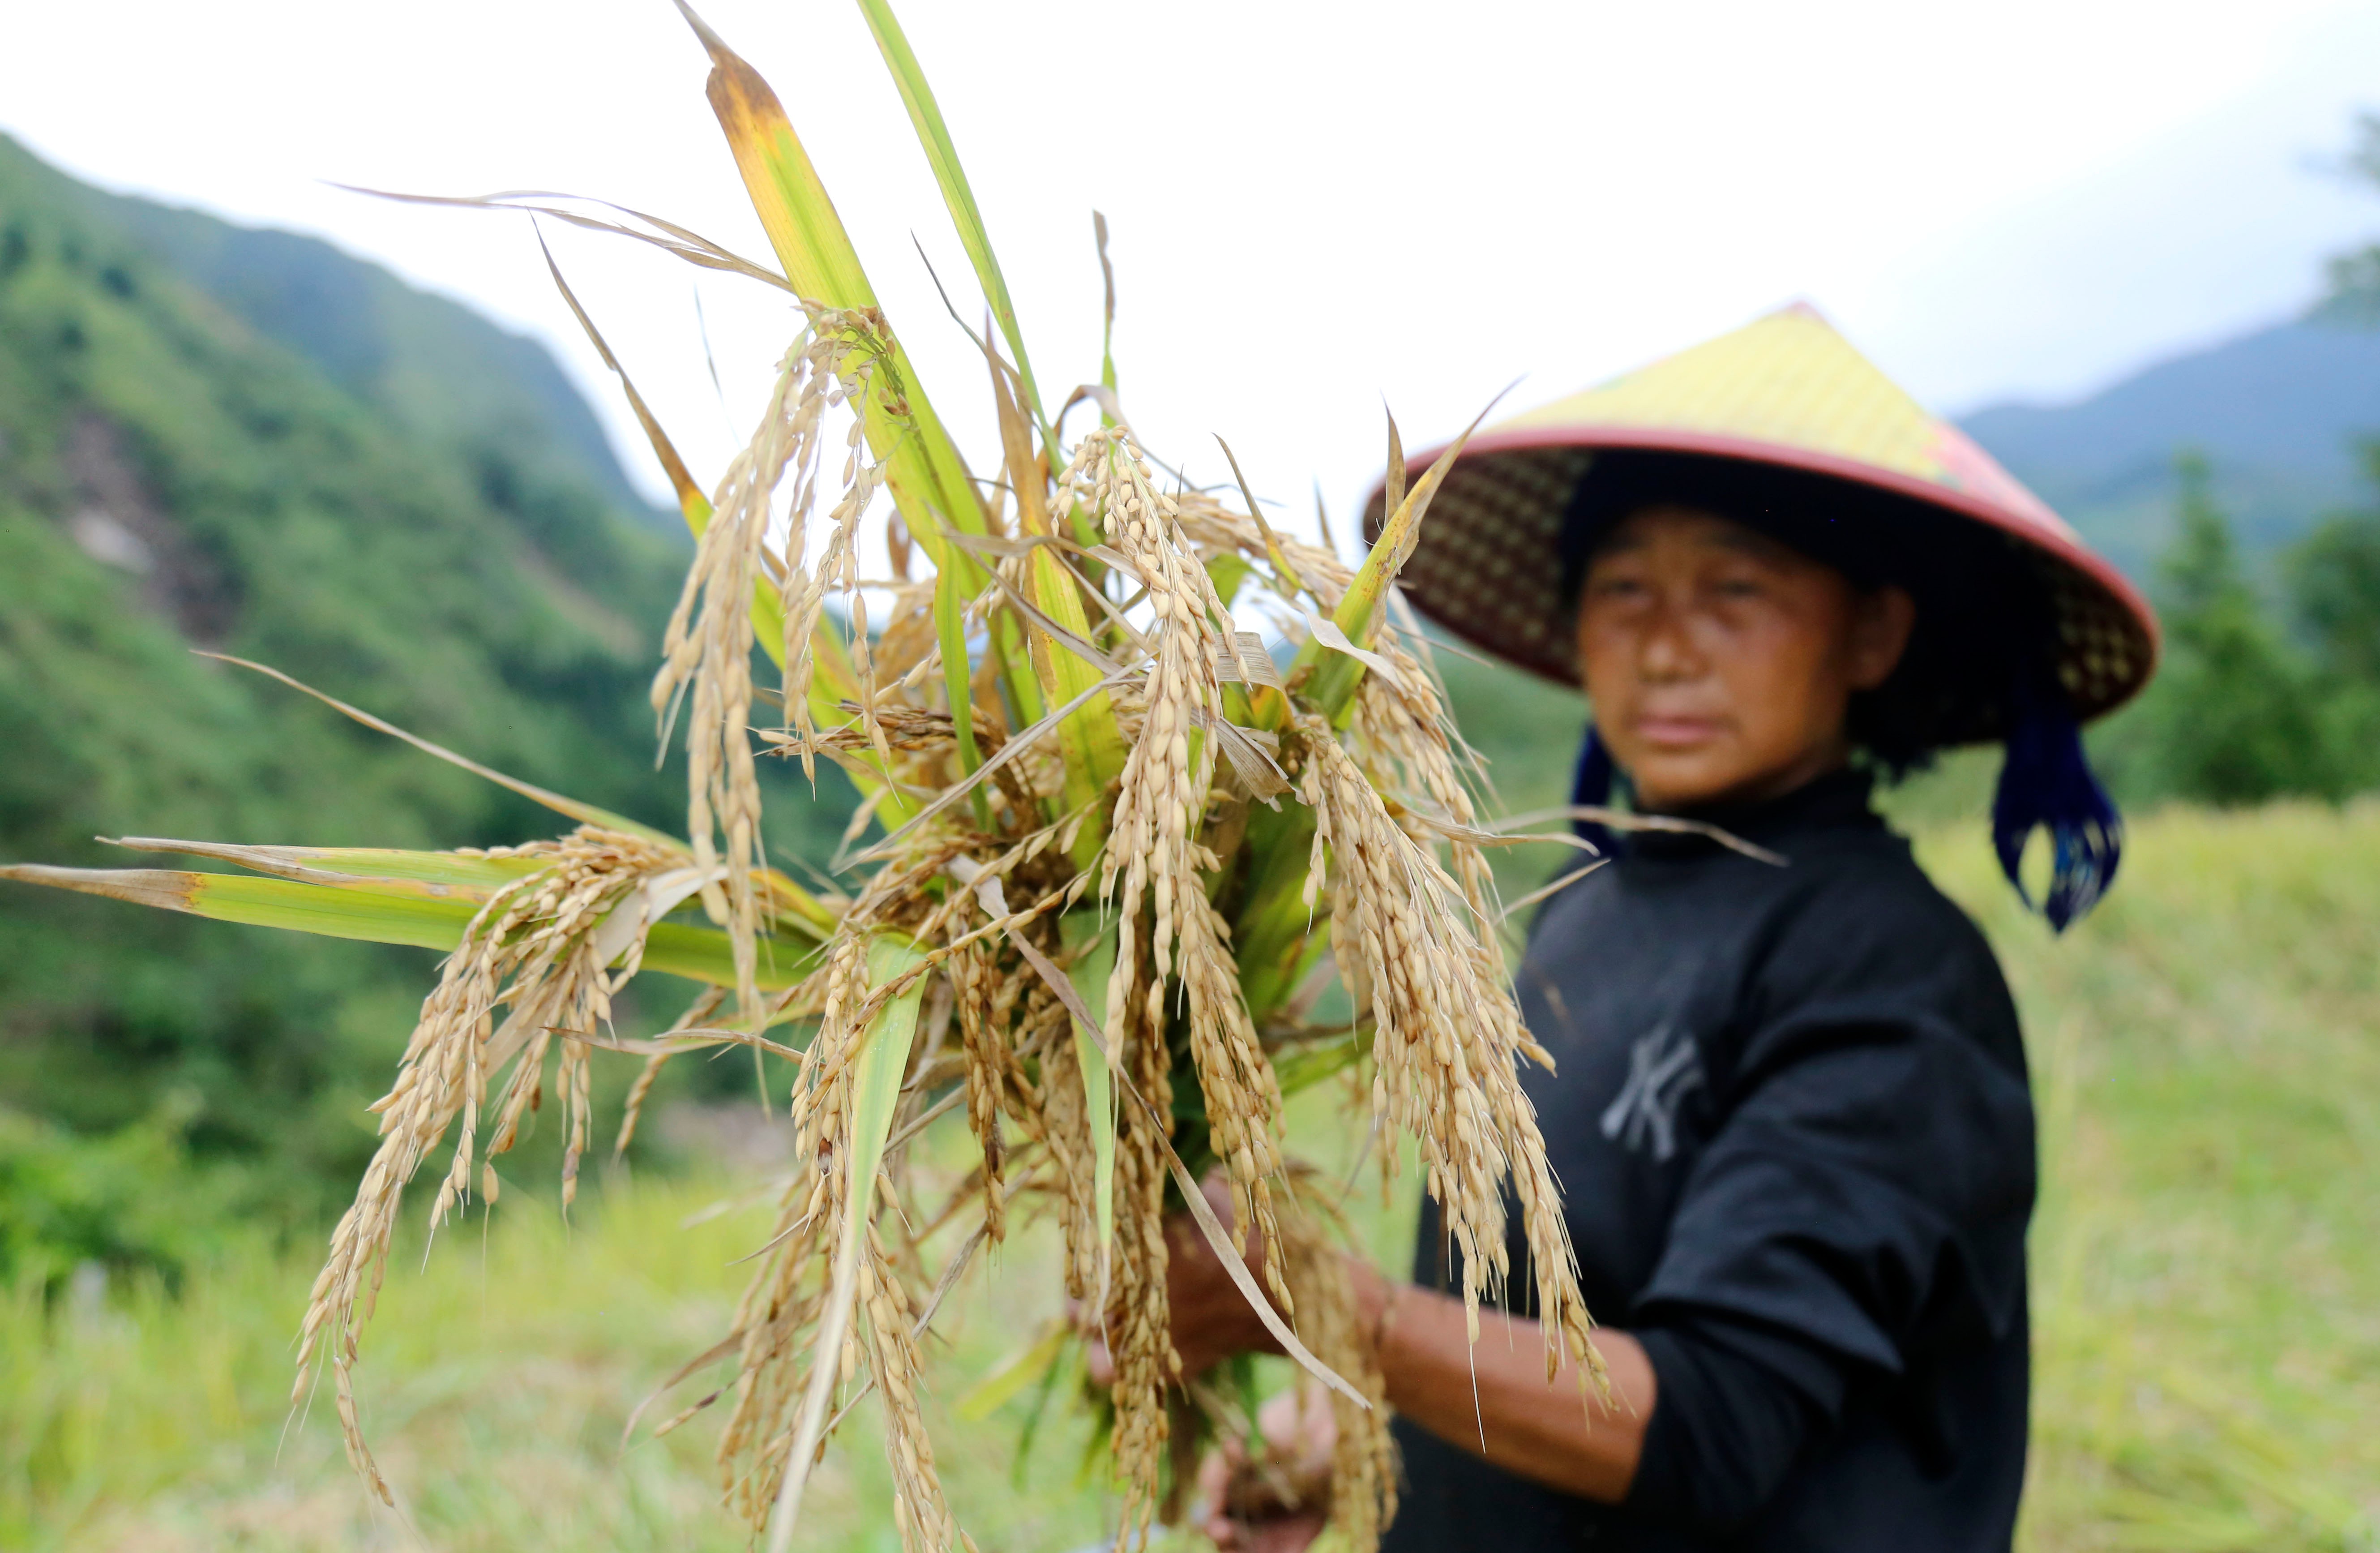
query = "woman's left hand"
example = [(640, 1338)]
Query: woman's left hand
[(1279, 1503)]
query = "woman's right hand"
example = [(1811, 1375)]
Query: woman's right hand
[(1211, 1317), (1278, 1502)]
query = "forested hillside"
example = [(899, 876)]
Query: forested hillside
[(248, 443)]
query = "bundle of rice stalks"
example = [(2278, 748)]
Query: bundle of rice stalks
[(1118, 851)]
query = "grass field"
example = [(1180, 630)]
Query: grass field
[(2206, 1276)]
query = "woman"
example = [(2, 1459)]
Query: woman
[(1789, 1109)]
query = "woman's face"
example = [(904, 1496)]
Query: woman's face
[(1721, 665)]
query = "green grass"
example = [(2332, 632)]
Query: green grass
[(2206, 1285), (2206, 1260), (496, 1379)]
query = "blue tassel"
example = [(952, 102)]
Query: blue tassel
[(2048, 782), (1591, 786)]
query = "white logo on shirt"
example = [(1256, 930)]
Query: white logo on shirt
[(1659, 1074)]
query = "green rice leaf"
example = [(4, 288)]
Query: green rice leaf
[(424, 913), (323, 864), (700, 952), (1305, 1065), (926, 116), (1009, 1378), (929, 480), (1088, 735), (1095, 955), (379, 911), (1272, 936)]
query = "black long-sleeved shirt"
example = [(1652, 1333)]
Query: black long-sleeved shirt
[(1793, 1131)]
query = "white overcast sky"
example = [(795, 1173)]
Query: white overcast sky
[(1314, 207)]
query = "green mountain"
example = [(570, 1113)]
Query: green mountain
[(2277, 415), (247, 442), (446, 374)]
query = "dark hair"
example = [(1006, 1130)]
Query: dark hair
[(1984, 622)]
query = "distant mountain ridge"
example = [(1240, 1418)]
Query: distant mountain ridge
[(448, 373), (2278, 414)]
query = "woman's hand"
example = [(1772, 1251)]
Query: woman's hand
[(1212, 1320), (1493, 1400), (1278, 1503)]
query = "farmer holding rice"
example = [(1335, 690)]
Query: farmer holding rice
[(1790, 1113)]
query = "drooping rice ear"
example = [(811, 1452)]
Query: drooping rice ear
[(876, 1066), (707, 663), (958, 689), (574, 1083), (529, 947), (1447, 1041), (1139, 1317), (1219, 1239), (985, 1040), (919, 1512), (855, 347), (778, 1317), (1363, 1481)]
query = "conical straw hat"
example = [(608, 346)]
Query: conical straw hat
[(1785, 390)]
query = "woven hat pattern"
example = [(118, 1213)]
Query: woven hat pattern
[(1786, 388)]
